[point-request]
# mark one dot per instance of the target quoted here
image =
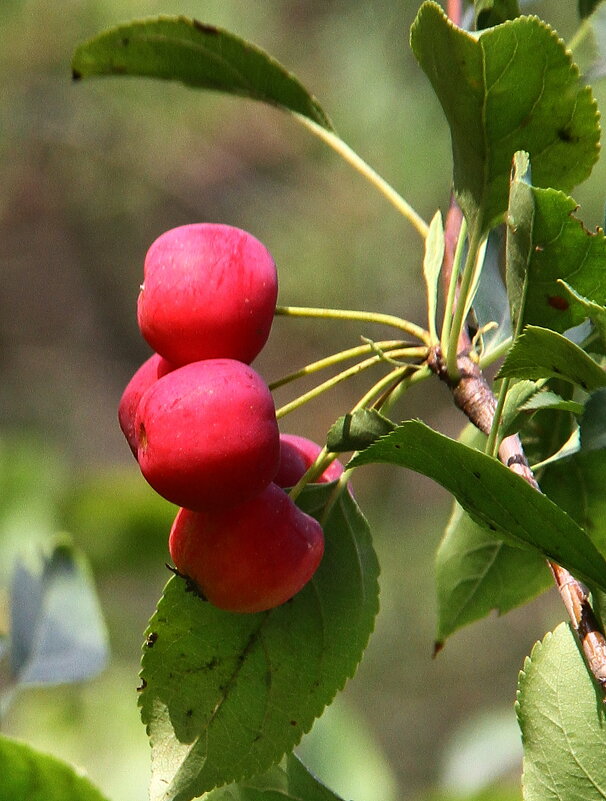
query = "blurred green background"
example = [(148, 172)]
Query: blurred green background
[(91, 174)]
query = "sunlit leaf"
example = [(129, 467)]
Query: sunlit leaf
[(541, 353), (563, 723), (226, 695), (512, 87), (57, 629), (29, 775), (492, 495), (200, 55)]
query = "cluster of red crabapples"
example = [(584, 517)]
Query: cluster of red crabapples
[(202, 425)]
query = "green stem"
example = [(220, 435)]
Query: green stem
[(358, 163), (580, 34), (462, 306), (495, 355), (322, 461), (336, 358), (452, 285), (419, 375), (342, 376), (349, 314), (494, 440)]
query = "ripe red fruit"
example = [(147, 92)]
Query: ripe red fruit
[(297, 454), (208, 434), (209, 291), (149, 372), (249, 557)]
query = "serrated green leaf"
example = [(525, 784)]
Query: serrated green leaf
[(518, 396), (357, 430), (492, 495), (226, 695), (199, 55), (512, 87), (493, 12), (563, 723), (57, 633), (541, 353), (551, 400), (476, 573), (593, 310), (432, 266), (547, 245), (29, 775), (288, 781)]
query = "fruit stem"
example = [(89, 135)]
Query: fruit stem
[(335, 358), (358, 163), (323, 460), (345, 374), (350, 314)]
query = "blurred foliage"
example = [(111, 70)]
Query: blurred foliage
[(91, 174)]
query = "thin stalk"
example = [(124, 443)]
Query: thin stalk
[(452, 286), (358, 163), (403, 386), (492, 444), (322, 461), (336, 358), (495, 355), (337, 379), (462, 305), (350, 314)]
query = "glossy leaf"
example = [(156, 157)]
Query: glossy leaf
[(563, 723), (512, 87), (199, 55), (357, 430), (288, 781), (492, 495), (226, 695), (548, 245), (29, 775), (476, 573), (58, 633), (541, 353)]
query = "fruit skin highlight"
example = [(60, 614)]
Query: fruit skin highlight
[(209, 291), (150, 371), (297, 454), (207, 434), (250, 557)]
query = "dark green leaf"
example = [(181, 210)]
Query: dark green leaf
[(593, 422), (547, 245), (476, 573), (513, 87), (490, 304), (226, 695), (516, 400), (541, 353), (182, 49), (563, 723), (593, 310), (551, 400), (357, 430), (288, 781), (587, 7), (57, 630), (494, 12), (432, 266), (29, 775), (492, 495)]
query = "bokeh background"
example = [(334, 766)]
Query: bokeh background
[(90, 174)]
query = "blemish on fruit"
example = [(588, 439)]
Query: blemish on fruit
[(558, 302)]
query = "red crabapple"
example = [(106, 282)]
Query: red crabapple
[(297, 454), (209, 291), (149, 372), (250, 557), (208, 434)]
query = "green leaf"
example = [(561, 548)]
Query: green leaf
[(492, 495), (288, 781), (563, 723), (432, 266), (595, 311), (518, 396), (58, 633), (490, 304), (512, 87), (587, 7), (546, 246), (551, 400), (199, 55), (476, 573), (29, 775), (357, 430), (541, 353), (489, 13), (593, 422), (226, 695)]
